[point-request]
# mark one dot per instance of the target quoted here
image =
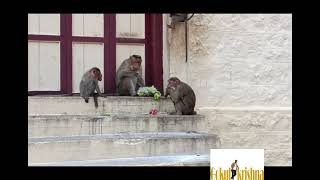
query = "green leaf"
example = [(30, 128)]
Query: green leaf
[(149, 91)]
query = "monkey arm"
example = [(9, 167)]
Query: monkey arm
[(176, 98), (128, 74), (166, 94), (180, 99), (140, 80), (98, 91)]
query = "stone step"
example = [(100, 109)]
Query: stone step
[(178, 160), (119, 145), (110, 104), (68, 125)]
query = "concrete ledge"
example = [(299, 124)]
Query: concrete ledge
[(120, 145), (179, 160), (119, 136), (67, 125), (110, 104)]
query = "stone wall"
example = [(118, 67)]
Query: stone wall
[(240, 67)]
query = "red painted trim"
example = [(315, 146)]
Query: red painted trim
[(35, 37), (87, 39), (34, 93), (148, 78), (66, 53), (109, 53), (63, 54), (131, 40), (153, 50)]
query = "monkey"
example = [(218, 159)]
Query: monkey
[(89, 83), (182, 96), (128, 76)]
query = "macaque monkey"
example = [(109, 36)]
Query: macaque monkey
[(89, 84), (182, 96), (129, 76)]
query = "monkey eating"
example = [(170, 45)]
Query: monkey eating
[(89, 84), (182, 96), (129, 76)]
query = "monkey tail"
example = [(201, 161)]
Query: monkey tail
[(95, 99)]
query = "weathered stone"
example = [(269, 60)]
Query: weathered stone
[(269, 128), (118, 145), (261, 74), (244, 95), (218, 73), (278, 157), (259, 140), (243, 22), (229, 38), (179, 160), (67, 125), (111, 104), (278, 55), (242, 120), (236, 59)]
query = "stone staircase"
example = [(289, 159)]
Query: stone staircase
[(65, 131)]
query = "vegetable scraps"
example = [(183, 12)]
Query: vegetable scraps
[(149, 92)]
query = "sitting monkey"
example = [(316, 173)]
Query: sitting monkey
[(182, 96), (129, 78), (89, 83)]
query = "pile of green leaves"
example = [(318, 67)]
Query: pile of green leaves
[(149, 92)]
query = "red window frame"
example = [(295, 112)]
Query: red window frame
[(153, 52)]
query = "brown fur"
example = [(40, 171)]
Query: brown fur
[(129, 78), (182, 96), (89, 84)]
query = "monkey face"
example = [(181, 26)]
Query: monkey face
[(136, 64), (172, 84), (97, 74), (99, 77)]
